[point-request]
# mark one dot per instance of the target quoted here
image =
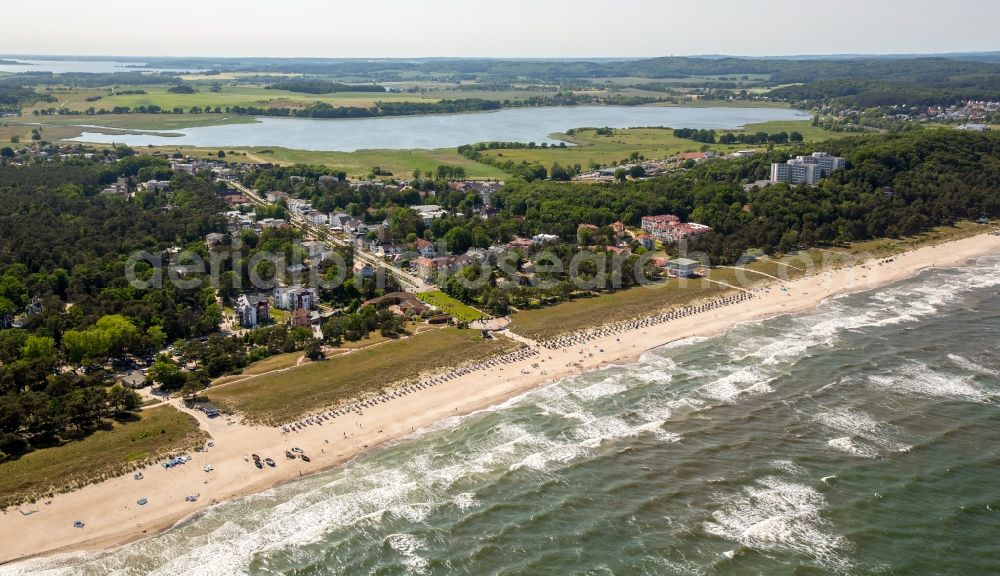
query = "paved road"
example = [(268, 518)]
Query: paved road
[(410, 281)]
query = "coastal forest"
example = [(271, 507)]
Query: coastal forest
[(65, 245)]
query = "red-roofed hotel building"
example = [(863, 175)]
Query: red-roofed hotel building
[(669, 228)]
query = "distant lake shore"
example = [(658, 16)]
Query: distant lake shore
[(444, 131)]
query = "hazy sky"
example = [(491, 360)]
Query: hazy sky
[(500, 28)]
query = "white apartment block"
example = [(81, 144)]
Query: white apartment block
[(806, 169)]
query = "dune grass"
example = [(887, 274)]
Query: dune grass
[(542, 323), (585, 313), (113, 451), (283, 396)]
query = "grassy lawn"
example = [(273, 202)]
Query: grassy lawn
[(809, 132), (278, 362), (652, 143), (450, 305), (55, 128), (279, 316), (103, 454), (273, 363), (357, 164), (284, 396)]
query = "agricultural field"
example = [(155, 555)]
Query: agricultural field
[(235, 93), (116, 450), (229, 95), (283, 396)]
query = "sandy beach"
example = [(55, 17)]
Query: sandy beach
[(113, 517)]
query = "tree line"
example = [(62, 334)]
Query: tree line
[(62, 274), (323, 87)]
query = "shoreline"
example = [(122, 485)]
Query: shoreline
[(113, 518)]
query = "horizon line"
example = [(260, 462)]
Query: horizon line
[(840, 55)]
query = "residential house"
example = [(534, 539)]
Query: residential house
[(317, 218), (425, 267), (271, 223), (644, 239), (237, 221), (619, 250), (356, 228), (428, 212), (157, 185), (252, 310), (300, 318), (619, 229), (480, 255), (363, 269), (236, 199), (389, 250), (294, 297), (426, 248), (299, 206), (545, 238), (431, 268), (695, 156), (214, 240), (316, 249), (522, 244), (274, 195), (338, 221)]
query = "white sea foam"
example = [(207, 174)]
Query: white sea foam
[(971, 366), (728, 389), (867, 436), (607, 387), (775, 514), (852, 421), (918, 378), (787, 466), (558, 454), (853, 447), (466, 501), (683, 342), (408, 547)]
